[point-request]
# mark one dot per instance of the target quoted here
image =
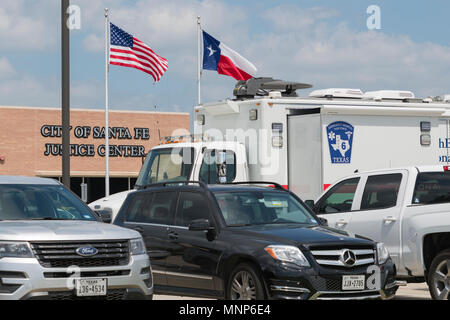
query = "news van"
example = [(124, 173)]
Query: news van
[(268, 133)]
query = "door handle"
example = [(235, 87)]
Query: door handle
[(341, 223), (173, 236), (389, 219)]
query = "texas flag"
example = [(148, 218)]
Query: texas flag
[(219, 57)]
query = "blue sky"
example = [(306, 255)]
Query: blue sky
[(325, 43)]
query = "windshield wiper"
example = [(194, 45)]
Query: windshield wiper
[(239, 225), (47, 218), (286, 222)]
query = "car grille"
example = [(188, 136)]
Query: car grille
[(114, 294), (89, 274), (63, 254), (363, 295), (328, 283), (344, 257)]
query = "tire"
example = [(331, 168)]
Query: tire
[(245, 283), (439, 276)]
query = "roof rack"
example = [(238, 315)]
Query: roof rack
[(264, 86), (205, 186), (165, 184), (186, 138), (276, 185)]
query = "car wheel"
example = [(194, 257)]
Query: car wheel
[(245, 284), (439, 276)]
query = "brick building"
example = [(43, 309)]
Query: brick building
[(30, 144)]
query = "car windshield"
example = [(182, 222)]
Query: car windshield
[(166, 165), (256, 208), (41, 202)]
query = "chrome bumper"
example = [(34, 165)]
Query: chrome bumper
[(27, 278)]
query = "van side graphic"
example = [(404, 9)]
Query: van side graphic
[(340, 140)]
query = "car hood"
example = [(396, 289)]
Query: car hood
[(113, 202), (62, 231), (301, 235)]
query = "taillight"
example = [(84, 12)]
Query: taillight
[(446, 168)]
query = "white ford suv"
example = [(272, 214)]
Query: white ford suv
[(52, 246)]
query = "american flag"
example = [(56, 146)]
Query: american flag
[(128, 51)]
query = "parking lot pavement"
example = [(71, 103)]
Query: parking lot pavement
[(164, 297), (413, 291)]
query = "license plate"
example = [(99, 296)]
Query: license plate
[(353, 282), (91, 287)]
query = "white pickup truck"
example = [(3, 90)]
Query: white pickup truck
[(408, 209)]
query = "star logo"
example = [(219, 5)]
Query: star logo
[(348, 258), (211, 51), (331, 135)]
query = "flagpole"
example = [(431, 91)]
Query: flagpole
[(106, 104), (65, 93), (199, 60)]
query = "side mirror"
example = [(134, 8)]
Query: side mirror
[(323, 221), (310, 203), (200, 225), (105, 215)]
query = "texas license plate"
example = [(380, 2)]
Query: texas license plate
[(91, 287), (353, 282)]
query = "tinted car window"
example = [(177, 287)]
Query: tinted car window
[(261, 208), (381, 191), (136, 210), (192, 206), (209, 172), (432, 188), (25, 202), (339, 198), (152, 207)]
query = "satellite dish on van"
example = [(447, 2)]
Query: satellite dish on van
[(263, 86)]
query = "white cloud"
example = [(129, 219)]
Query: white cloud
[(87, 91), (333, 55), (29, 91), (294, 18), (6, 69), (24, 89), (27, 24), (165, 23), (94, 43)]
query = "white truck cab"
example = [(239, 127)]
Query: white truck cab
[(408, 209), (184, 158), (196, 160)]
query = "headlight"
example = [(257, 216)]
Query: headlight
[(288, 254), (382, 253), (137, 247), (15, 250)]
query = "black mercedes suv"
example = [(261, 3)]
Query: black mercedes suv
[(249, 241)]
